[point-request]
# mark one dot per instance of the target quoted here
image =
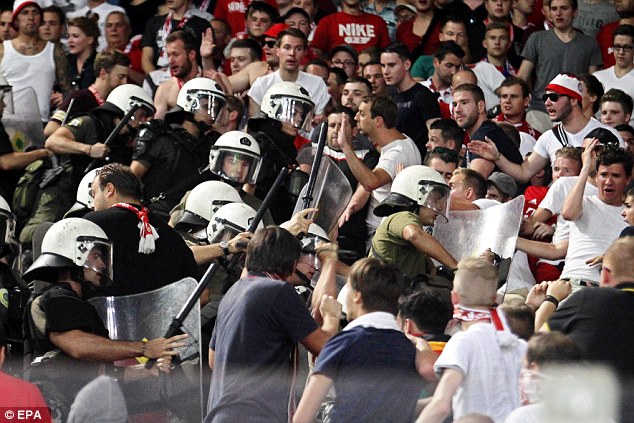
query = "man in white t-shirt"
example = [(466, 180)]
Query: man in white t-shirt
[(292, 44), (595, 221), (563, 103), (621, 75), (376, 118)]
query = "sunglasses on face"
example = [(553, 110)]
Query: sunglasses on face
[(554, 97), (269, 44)]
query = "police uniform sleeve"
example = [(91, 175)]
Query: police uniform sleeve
[(84, 130), (292, 314), (64, 311)]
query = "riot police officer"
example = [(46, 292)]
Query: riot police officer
[(169, 157)]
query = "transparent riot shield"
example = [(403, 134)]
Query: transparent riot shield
[(331, 195), (148, 316), (470, 233), (21, 119)]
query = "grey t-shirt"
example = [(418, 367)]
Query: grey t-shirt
[(593, 15), (551, 56)]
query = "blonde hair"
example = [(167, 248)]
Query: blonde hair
[(476, 282)]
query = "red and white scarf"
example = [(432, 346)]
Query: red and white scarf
[(148, 233)]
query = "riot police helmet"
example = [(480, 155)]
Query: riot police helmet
[(7, 228), (230, 220), (235, 157), (205, 98), (75, 244), (124, 97), (289, 102), (84, 201)]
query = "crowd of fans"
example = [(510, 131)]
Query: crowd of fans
[(139, 138)]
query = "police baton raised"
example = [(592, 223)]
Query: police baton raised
[(113, 134), (307, 199), (177, 322)]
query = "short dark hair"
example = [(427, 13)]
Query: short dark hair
[(552, 347), (255, 49), (235, 104), (360, 80), (273, 250), (400, 49), (595, 88), (427, 308), (384, 106), (51, 9), (625, 128), (121, 176), (293, 32), (615, 156), (604, 135), (478, 94), (108, 59), (449, 130), (626, 30), (452, 18), (511, 132), (514, 80), (448, 47), (379, 283), (318, 62), (521, 319), (374, 52), (347, 110), (443, 154), (473, 180), (294, 10), (618, 96), (188, 39), (264, 7), (340, 75)]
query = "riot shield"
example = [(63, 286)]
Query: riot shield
[(331, 195), (23, 124), (147, 316), (470, 233)]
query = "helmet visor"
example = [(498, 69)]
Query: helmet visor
[(222, 230), (208, 104), (434, 196), (142, 114), (95, 256), (236, 166), (297, 112)]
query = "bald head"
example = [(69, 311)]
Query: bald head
[(617, 262)]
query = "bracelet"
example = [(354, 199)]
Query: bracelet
[(551, 299), (143, 348)]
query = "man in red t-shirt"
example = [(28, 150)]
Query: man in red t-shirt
[(351, 26), (234, 12)]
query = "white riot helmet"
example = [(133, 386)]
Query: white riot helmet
[(84, 201), (417, 185), (235, 157), (229, 221), (4, 89), (309, 242), (125, 96), (289, 102), (74, 242), (204, 201), (7, 228), (204, 96)]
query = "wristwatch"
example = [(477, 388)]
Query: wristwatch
[(225, 247)]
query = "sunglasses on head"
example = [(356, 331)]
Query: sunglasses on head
[(448, 151), (269, 44), (552, 97)]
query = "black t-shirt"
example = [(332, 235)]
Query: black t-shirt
[(601, 321), (153, 35), (135, 272), (503, 143), (8, 178), (415, 107), (83, 78)]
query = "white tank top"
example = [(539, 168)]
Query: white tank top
[(37, 72)]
